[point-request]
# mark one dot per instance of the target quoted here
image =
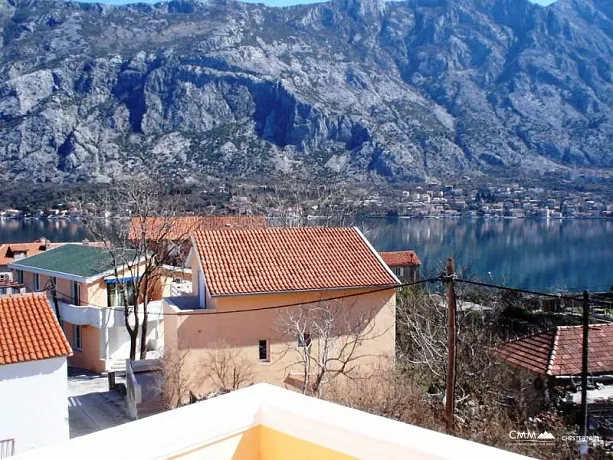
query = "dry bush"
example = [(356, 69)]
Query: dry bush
[(400, 397), (177, 380), (227, 368)]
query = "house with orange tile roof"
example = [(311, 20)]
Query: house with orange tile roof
[(33, 374), (10, 252), (251, 284), (11, 287), (404, 264), (169, 236), (90, 302), (554, 357)]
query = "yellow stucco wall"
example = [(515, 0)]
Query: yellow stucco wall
[(88, 357), (262, 443), (241, 328)]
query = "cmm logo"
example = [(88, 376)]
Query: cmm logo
[(531, 436)]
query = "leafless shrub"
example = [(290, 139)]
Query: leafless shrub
[(227, 367)]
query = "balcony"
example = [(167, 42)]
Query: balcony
[(105, 317), (267, 422)]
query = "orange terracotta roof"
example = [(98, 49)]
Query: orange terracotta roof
[(10, 284), (400, 258), (246, 261), (558, 352), (8, 250), (29, 330), (181, 227)]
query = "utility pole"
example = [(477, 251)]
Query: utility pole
[(451, 346), (584, 362)]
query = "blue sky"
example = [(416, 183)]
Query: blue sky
[(272, 2)]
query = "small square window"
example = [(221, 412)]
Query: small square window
[(263, 351), (304, 340)]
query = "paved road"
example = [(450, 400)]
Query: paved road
[(91, 406)]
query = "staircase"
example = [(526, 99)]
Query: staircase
[(118, 366)]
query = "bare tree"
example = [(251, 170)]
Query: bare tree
[(227, 367), (325, 340), (177, 380), (140, 240)]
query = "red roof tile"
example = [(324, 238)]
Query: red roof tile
[(8, 250), (246, 261), (29, 330), (558, 352), (181, 227), (10, 284), (400, 258)]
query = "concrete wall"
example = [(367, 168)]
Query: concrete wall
[(202, 331), (34, 403)]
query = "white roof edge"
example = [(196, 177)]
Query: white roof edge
[(326, 424), (377, 255)]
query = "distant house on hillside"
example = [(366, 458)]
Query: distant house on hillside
[(404, 264), (33, 375), (90, 302), (244, 274)]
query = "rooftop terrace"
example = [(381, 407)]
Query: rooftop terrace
[(268, 423)]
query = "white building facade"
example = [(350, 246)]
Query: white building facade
[(34, 402)]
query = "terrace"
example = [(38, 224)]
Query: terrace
[(268, 423)]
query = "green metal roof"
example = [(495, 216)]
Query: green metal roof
[(73, 259)]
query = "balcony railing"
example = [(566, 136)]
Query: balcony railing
[(105, 317)]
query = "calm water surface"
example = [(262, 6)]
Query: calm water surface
[(528, 253)]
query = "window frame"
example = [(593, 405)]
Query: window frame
[(305, 340), (114, 287), (36, 281), (266, 344), (77, 337), (75, 293)]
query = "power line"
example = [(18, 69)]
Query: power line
[(273, 307)]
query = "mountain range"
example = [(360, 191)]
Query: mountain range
[(357, 89)]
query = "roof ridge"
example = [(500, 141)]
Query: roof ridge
[(526, 336), (27, 294), (553, 351)]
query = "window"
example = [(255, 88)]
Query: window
[(77, 337), (20, 276), (397, 271), (115, 297), (75, 294), (3, 291), (263, 350), (305, 340), (36, 282)]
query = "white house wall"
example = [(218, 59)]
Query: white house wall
[(34, 403)]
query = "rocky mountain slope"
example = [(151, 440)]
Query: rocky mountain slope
[(354, 88)]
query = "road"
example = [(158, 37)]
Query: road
[(91, 406)]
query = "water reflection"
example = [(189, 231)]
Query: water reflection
[(533, 254), (14, 230)]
